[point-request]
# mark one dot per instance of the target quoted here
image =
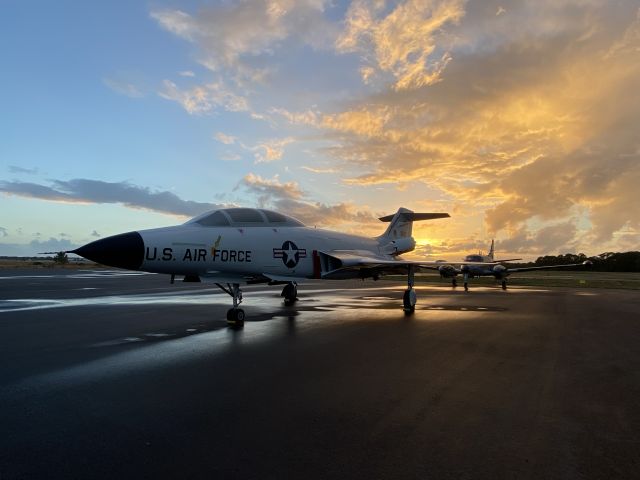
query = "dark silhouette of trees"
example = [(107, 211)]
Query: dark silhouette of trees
[(605, 262), (61, 258)]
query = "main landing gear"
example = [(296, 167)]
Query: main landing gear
[(466, 282), (454, 282), (409, 299), (290, 293), (235, 315), (504, 284)]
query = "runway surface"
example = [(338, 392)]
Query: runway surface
[(105, 375)]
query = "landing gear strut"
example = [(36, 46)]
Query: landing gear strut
[(235, 315), (409, 298), (466, 282), (290, 293), (504, 284), (454, 282)]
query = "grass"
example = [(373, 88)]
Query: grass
[(43, 263), (575, 279)]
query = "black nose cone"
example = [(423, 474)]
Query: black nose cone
[(123, 251)]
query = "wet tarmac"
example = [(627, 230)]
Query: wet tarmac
[(108, 375)]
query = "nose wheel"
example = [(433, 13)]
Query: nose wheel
[(235, 315)]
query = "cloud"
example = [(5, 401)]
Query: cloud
[(368, 121), (289, 198), (531, 121), (224, 138), (123, 88), (187, 73), (308, 117), (204, 98), (269, 150), (3, 232), (319, 170), (81, 190), (228, 37), (556, 238), (17, 169), (402, 41), (36, 246), (272, 188)]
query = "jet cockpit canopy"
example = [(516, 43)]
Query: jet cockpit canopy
[(244, 217)]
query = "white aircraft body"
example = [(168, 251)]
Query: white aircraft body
[(486, 266), (235, 246)]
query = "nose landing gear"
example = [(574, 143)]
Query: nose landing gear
[(235, 315)]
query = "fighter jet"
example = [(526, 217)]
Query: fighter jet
[(236, 246), (486, 266)]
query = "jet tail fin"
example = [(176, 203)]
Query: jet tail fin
[(401, 223)]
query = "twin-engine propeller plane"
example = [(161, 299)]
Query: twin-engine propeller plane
[(235, 246), (486, 266)]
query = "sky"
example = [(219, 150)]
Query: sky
[(519, 118)]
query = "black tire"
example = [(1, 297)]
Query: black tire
[(504, 284), (466, 287), (454, 283), (235, 317), (290, 294), (406, 302)]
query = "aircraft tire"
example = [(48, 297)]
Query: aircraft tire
[(504, 284), (235, 316), (290, 294), (466, 287), (407, 305)]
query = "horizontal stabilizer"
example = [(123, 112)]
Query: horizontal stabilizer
[(414, 217)]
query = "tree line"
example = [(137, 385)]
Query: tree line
[(605, 262)]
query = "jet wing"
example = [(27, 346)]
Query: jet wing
[(344, 263), (214, 276), (586, 263)]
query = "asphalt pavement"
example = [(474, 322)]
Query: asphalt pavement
[(108, 375)]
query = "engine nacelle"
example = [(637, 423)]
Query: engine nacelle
[(398, 246), (500, 272), (447, 271)]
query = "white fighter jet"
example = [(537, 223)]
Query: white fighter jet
[(235, 246), (486, 266)]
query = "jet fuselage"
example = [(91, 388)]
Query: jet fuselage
[(244, 251)]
